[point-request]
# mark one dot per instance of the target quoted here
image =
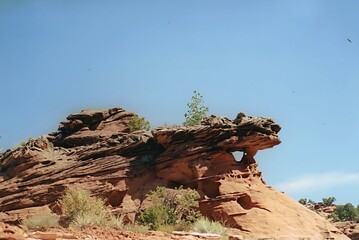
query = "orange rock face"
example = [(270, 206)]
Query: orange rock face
[(95, 150)]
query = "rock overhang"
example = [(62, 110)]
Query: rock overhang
[(96, 150)]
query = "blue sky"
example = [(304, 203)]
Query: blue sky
[(289, 60)]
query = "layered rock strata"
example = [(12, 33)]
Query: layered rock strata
[(96, 150)]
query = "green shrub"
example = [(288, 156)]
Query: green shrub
[(156, 216), (169, 207), (81, 210), (328, 201), (196, 111), (206, 226), (303, 201), (334, 217), (346, 212), (137, 123), (42, 222)]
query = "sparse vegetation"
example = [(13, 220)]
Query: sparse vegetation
[(197, 111), (181, 226), (306, 202), (204, 225), (137, 123), (170, 207), (135, 228), (41, 222), (82, 210)]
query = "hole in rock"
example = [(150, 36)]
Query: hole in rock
[(115, 198), (210, 188), (245, 202), (94, 126), (172, 184), (193, 185), (47, 162), (237, 156)]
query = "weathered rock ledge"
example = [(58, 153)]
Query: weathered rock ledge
[(97, 151)]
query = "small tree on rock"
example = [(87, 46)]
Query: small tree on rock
[(196, 111), (346, 212), (139, 123), (328, 201)]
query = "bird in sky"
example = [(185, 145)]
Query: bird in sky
[(349, 40)]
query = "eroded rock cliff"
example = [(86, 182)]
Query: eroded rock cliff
[(97, 151)]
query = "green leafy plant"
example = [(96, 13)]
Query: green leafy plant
[(328, 201), (82, 210), (346, 212), (334, 217), (156, 216), (137, 123), (170, 207), (303, 201), (42, 222), (207, 226), (196, 111)]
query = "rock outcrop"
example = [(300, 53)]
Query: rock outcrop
[(351, 229), (96, 150)]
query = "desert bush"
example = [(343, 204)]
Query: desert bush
[(105, 219), (41, 222), (81, 210), (137, 123), (346, 212), (328, 201), (169, 207), (156, 216), (114, 221), (204, 225), (78, 202), (196, 111)]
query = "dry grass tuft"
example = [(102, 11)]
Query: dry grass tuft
[(41, 222)]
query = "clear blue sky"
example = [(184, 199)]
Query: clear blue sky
[(289, 60)]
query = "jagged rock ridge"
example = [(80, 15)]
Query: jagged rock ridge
[(97, 151)]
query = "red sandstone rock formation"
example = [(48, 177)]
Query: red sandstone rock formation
[(95, 150), (351, 229)]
